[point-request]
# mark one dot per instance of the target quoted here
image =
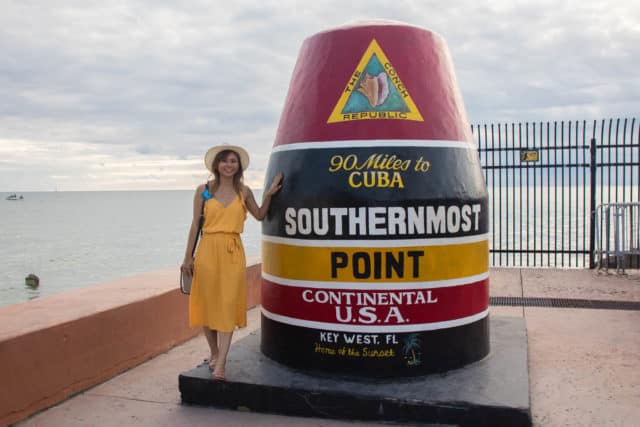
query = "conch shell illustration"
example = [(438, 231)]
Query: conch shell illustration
[(375, 88)]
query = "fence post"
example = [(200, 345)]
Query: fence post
[(592, 221)]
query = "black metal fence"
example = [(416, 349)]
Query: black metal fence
[(545, 181)]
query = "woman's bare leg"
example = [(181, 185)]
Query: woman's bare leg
[(212, 340), (224, 343)]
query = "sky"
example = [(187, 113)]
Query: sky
[(128, 95)]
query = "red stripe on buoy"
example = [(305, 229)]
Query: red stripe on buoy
[(419, 57), (367, 307)]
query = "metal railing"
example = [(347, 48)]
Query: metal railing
[(545, 180), (617, 235)]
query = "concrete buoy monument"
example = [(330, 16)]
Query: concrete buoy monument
[(375, 252)]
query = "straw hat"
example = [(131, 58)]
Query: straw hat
[(213, 152)]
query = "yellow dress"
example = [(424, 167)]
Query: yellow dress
[(218, 297)]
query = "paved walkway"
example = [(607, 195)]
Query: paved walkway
[(583, 365)]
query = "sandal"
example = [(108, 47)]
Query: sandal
[(219, 374), (212, 363)]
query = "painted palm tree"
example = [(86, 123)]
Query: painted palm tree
[(411, 345)]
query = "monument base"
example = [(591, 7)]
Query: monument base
[(491, 392)]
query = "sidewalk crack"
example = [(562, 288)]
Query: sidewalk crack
[(161, 402)]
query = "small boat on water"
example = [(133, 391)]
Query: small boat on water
[(14, 196)]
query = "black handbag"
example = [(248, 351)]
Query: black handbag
[(186, 277)]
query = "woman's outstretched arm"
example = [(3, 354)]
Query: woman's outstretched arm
[(259, 212)]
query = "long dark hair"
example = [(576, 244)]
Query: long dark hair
[(237, 178)]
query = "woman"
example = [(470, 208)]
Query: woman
[(218, 292)]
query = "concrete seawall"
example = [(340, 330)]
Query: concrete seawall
[(54, 347)]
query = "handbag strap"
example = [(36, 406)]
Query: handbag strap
[(200, 223)]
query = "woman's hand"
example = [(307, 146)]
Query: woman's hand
[(187, 266), (259, 212), (275, 185)]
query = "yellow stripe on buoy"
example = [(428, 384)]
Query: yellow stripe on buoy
[(384, 264)]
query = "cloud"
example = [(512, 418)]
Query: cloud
[(74, 166), (135, 80)]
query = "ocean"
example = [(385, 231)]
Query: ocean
[(75, 239)]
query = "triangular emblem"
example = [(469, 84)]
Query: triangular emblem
[(374, 91)]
